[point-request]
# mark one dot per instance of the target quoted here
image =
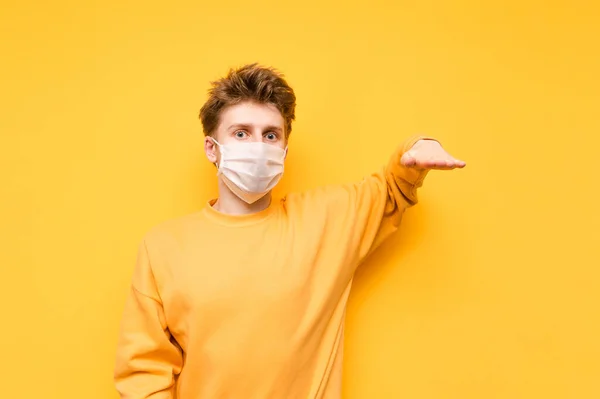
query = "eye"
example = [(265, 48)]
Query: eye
[(240, 134), (271, 136)]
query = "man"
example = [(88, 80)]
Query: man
[(246, 298)]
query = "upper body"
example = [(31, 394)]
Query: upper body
[(246, 298)]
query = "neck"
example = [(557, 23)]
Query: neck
[(231, 204)]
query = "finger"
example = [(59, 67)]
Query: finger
[(443, 164), (424, 164), (451, 164), (438, 164)]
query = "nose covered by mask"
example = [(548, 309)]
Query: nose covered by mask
[(250, 170)]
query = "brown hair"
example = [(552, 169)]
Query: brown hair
[(251, 82)]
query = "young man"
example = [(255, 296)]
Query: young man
[(246, 298)]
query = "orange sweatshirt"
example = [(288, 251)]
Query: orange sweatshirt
[(253, 306)]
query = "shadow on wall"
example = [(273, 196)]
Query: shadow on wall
[(393, 254)]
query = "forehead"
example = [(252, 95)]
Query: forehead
[(251, 113)]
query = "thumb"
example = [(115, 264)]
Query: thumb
[(408, 159)]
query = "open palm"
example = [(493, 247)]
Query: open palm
[(429, 154)]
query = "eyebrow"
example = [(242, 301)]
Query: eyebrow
[(249, 125)]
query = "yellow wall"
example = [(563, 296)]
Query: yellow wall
[(490, 291)]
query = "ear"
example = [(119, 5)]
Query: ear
[(286, 148), (210, 149)]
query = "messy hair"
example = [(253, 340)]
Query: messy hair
[(251, 82)]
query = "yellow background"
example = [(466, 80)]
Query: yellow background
[(491, 290)]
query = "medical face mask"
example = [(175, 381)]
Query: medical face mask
[(250, 170)]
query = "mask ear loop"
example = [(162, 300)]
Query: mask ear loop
[(218, 145)]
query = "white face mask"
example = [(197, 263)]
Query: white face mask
[(250, 170)]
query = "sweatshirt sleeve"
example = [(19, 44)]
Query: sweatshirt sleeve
[(147, 358), (379, 201)]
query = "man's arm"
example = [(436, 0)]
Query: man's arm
[(147, 360), (381, 199)]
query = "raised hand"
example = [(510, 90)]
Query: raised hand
[(429, 154)]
